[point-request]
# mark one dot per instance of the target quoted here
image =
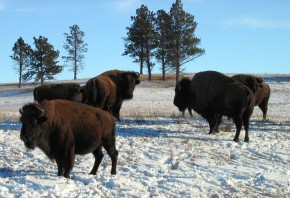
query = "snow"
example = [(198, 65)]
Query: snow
[(160, 153)]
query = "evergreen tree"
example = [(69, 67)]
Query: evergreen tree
[(163, 28), (75, 47), (43, 61), (141, 38), (21, 56), (183, 44)]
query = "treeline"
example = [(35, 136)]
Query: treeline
[(168, 38), (164, 37), (41, 62)]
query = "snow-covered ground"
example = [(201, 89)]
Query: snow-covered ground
[(160, 154)]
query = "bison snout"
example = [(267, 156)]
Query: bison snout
[(28, 143)]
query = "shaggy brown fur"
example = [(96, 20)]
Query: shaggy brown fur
[(66, 91), (62, 129), (109, 89)]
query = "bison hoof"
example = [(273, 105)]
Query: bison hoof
[(246, 140), (236, 139)]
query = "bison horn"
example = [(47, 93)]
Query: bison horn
[(21, 111), (42, 112), (138, 74)]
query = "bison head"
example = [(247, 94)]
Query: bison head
[(182, 94), (128, 81), (32, 117)]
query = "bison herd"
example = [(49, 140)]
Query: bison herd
[(68, 119)]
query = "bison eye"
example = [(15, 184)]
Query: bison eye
[(33, 122)]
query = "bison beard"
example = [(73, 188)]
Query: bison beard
[(62, 129), (213, 95)]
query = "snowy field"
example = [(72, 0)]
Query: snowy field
[(160, 153)]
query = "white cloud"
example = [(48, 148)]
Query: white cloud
[(124, 5), (258, 23), (2, 5)]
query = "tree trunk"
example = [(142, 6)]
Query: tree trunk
[(41, 80), (141, 66), (75, 62), (20, 75), (177, 74), (163, 68), (149, 69), (75, 72)]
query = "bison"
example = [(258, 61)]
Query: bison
[(253, 82), (66, 91), (185, 83), (108, 90), (62, 129), (261, 90), (213, 95)]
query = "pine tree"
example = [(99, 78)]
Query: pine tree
[(141, 38), (43, 61), (75, 47), (21, 56), (163, 29), (183, 44)]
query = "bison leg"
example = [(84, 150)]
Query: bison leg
[(212, 120), (98, 158), (66, 163), (246, 120), (264, 108), (116, 110), (190, 112), (183, 113), (110, 147), (238, 122), (68, 166), (60, 168), (218, 120)]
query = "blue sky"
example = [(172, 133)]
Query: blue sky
[(240, 36)]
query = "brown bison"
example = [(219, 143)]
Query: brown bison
[(108, 90), (66, 91), (262, 98), (261, 90), (62, 129), (213, 95)]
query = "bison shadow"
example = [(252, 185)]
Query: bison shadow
[(15, 92), (10, 125), (10, 173), (151, 128)]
